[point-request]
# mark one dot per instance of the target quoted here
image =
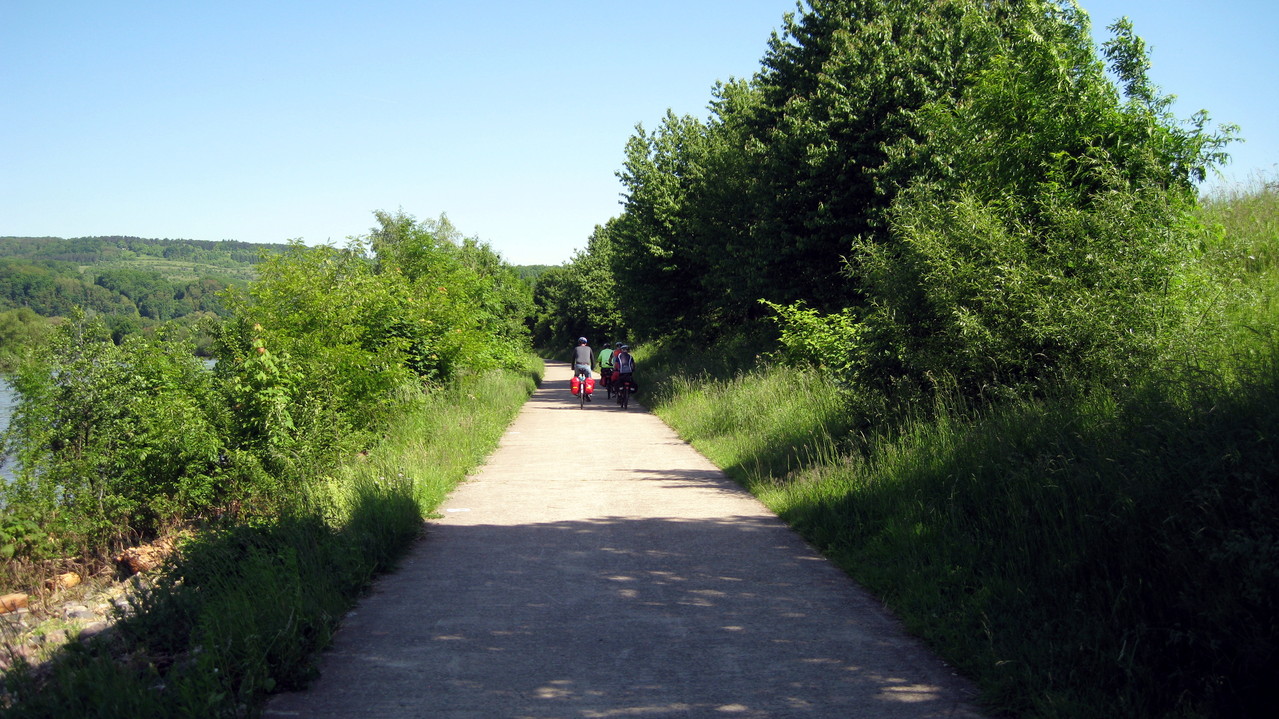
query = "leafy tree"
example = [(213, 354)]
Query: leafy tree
[(1045, 229), (21, 331), (94, 430), (840, 86), (683, 248), (581, 298), (471, 307)]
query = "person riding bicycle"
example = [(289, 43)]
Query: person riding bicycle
[(582, 356), (623, 367), (606, 363)]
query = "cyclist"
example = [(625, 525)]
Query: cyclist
[(606, 364), (623, 367), (582, 356)]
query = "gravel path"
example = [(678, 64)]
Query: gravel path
[(598, 566)]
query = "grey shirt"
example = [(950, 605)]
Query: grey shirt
[(582, 355)]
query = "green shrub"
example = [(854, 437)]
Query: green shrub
[(94, 430), (246, 606)]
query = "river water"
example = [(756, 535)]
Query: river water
[(6, 409)]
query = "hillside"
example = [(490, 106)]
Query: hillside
[(154, 279)]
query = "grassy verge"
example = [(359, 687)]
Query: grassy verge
[(1090, 555), (244, 608), (1089, 552)]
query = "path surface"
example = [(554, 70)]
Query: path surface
[(597, 566)]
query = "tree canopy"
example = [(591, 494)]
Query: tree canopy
[(972, 189)]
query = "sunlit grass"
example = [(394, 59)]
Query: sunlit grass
[(764, 423)]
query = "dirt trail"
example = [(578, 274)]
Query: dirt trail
[(598, 566)]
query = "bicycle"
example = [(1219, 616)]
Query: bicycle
[(624, 392), (580, 376), (606, 378)]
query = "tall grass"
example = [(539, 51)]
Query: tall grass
[(1083, 556), (1241, 224), (245, 608), (1090, 552), (757, 428)]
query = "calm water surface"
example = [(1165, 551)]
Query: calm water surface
[(6, 408)]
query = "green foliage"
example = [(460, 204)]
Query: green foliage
[(94, 433), (682, 252), (465, 307), (580, 298), (18, 533), (228, 255), (1050, 238), (54, 288), (137, 284), (976, 293), (306, 353), (839, 89), (245, 609), (21, 331), (963, 177), (1240, 226), (824, 342), (530, 273)]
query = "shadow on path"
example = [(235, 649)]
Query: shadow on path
[(597, 566), (619, 616)]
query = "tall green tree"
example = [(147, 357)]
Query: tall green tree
[(840, 86), (582, 297), (1045, 229), (683, 248)]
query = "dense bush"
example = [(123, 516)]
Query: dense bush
[(120, 441), (1045, 231), (94, 433)]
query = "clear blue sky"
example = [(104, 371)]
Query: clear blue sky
[(264, 121)]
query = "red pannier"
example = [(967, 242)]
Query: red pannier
[(575, 386)]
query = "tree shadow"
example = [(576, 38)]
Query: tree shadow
[(624, 616)]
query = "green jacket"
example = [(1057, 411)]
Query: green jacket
[(606, 358)]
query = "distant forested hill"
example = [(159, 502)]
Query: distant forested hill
[(135, 281), (530, 273), (178, 257)]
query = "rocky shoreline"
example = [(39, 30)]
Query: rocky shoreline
[(34, 633), (75, 610)]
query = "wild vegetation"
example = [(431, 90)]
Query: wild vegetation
[(937, 284), (278, 466), (136, 284)]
